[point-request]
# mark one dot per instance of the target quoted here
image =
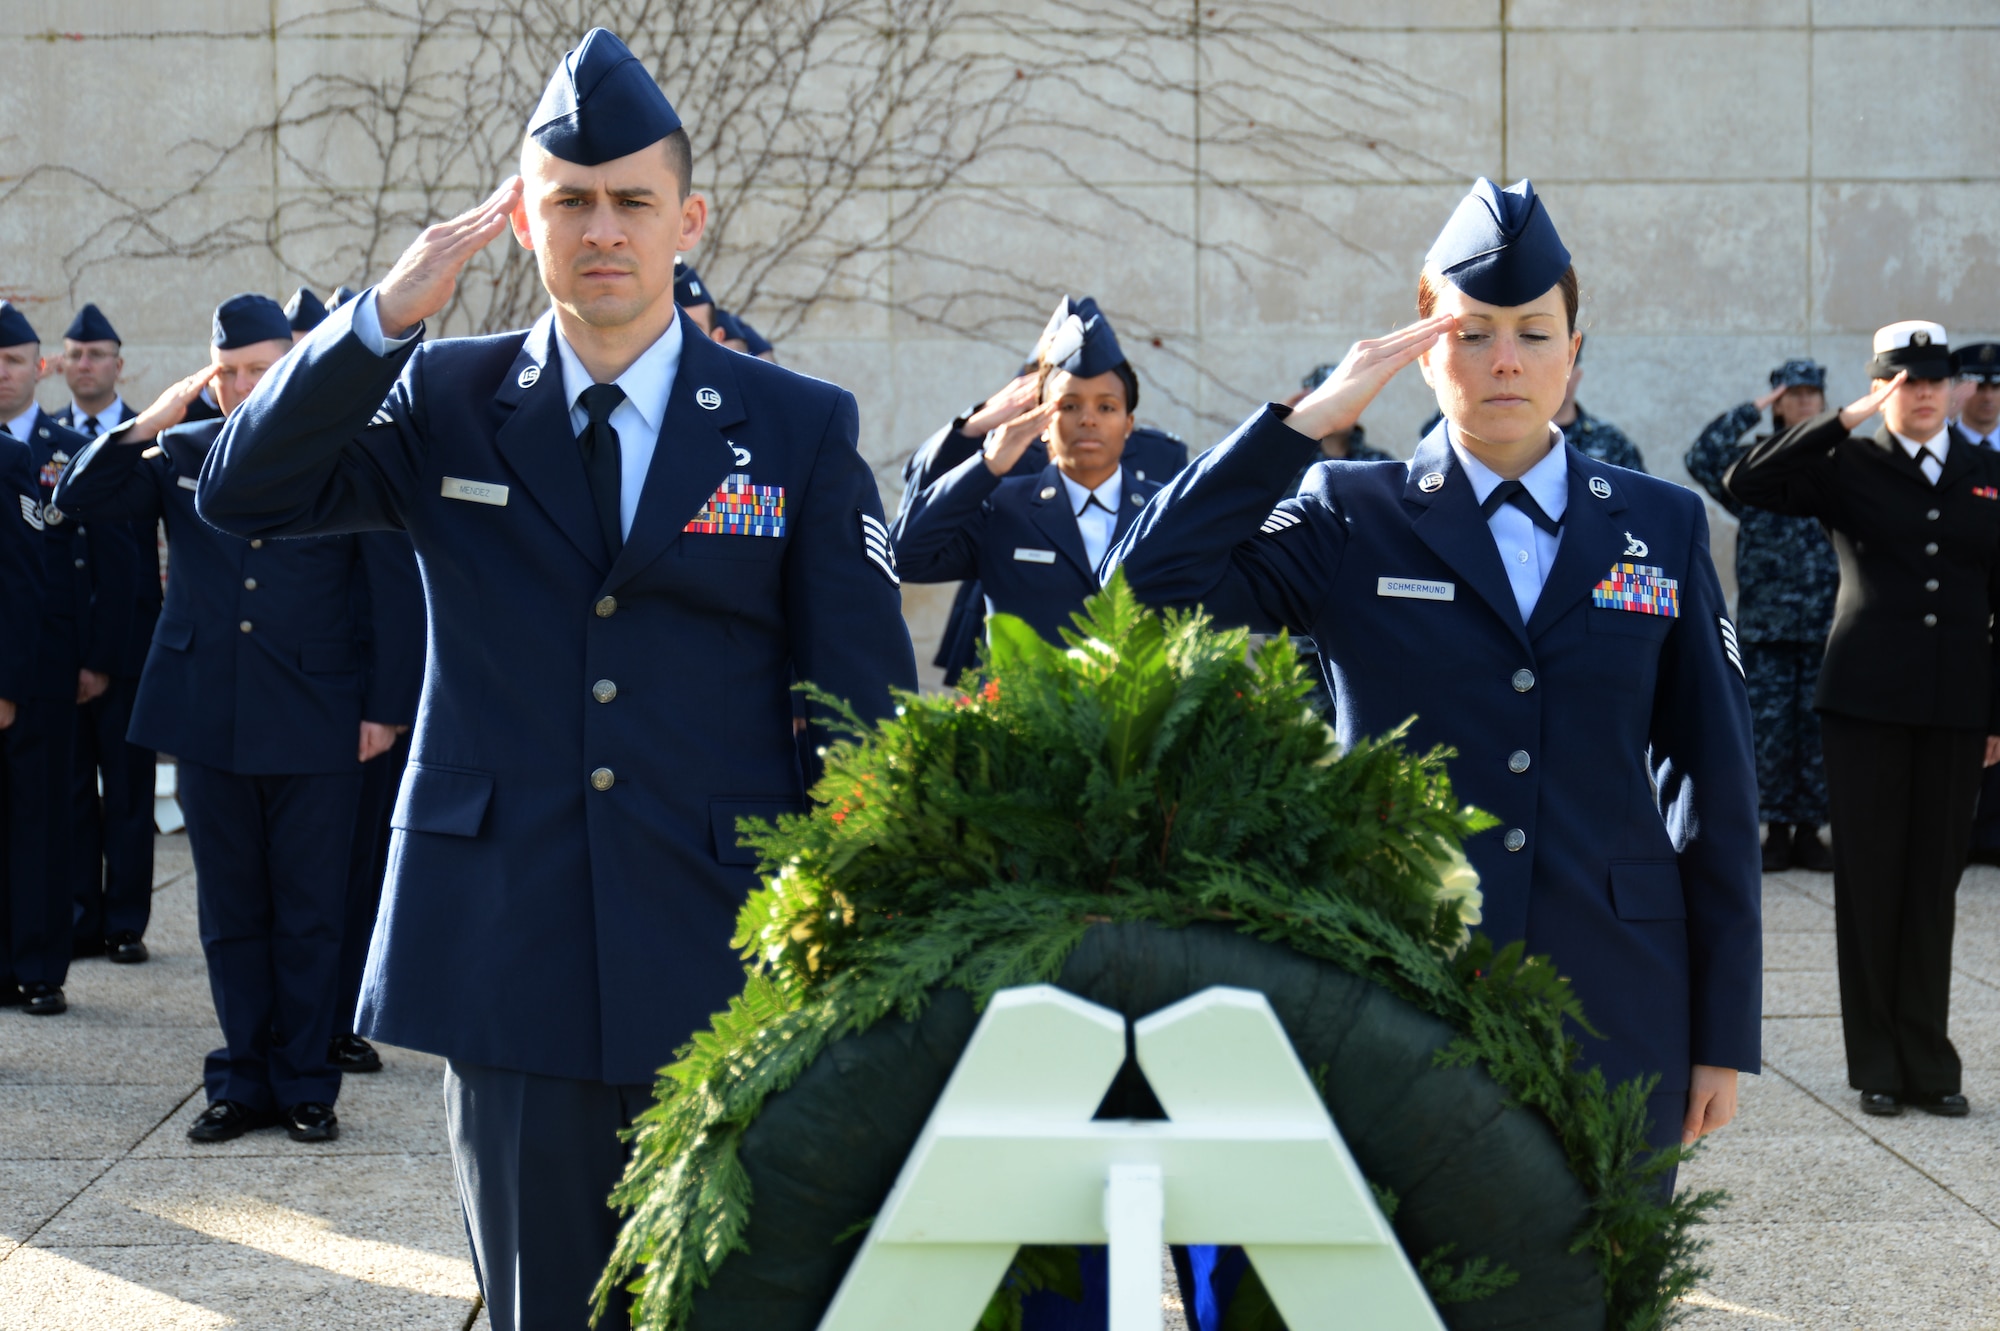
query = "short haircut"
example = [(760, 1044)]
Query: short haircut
[(1123, 369), (1430, 285), (680, 160)]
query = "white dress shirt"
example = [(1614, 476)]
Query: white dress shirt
[(1980, 440), (647, 381), (107, 418), (23, 425), (1937, 445), (1096, 521), (1526, 550)]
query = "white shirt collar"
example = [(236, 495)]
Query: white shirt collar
[(1938, 443), (647, 381), (1108, 494), (1547, 480), (22, 427), (105, 419)]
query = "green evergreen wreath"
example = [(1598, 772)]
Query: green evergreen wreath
[(1155, 772)]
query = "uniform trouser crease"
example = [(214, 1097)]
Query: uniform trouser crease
[(37, 897), (113, 837)]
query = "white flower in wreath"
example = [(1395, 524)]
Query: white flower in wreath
[(1458, 888)]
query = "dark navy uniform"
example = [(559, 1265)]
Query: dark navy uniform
[(1786, 579), (1015, 537), (23, 586), (261, 671)]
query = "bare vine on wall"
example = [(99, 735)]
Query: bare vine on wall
[(838, 140)]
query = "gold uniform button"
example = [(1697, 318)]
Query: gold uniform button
[(606, 607), (601, 779), (249, 584), (257, 544), (245, 626), (604, 690)]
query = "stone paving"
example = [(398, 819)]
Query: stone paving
[(109, 1217)]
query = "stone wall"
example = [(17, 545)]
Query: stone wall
[(1740, 181)]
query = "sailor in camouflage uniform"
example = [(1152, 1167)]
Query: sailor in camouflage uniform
[(1786, 578)]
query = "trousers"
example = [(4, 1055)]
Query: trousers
[(367, 864), (1902, 800), (35, 932), (536, 1157), (113, 827), (1791, 773)]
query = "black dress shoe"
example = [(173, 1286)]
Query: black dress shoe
[(225, 1121), (351, 1053), (43, 1000), (312, 1122), (1778, 849), (1881, 1104), (1946, 1105), (1808, 851), (125, 948)]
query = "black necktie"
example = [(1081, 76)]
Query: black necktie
[(1515, 493), (90, 427), (1925, 455), (601, 465), (1092, 501)]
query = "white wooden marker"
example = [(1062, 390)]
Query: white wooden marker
[(1247, 1155)]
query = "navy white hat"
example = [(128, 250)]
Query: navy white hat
[(688, 288), (247, 318), (1800, 372), (1981, 361), (1917, 347), (341, 295), (90, 325), (304, 311), (1500, 246), (14, 326), (600, 104), (1079, 339)]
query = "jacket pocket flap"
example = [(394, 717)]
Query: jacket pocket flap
[(449, 800), (328, 656), (175, 633), (1647, 890), (722, 816)]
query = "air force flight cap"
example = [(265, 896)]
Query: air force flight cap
[(1981, 361), (739, 328), (90, 325), (689, 290), (242, 320), (1800, 373), (1916, 346), (1079, 339), (304, 311), (14, 326), (601, 104), (1500, 246), (341, 295)]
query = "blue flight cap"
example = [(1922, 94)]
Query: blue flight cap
[(1800, 373), (601, 103), (303, 311), (1079, 339), (688, 288), (90, 325), (14, 326), (738, 327), (247, 318), (1500, 246), (341, 295)]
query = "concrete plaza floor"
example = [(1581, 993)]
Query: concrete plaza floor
[(110, 1218)]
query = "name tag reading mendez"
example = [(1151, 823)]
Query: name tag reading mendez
[(1031, 556), (1416, 589), (477, 492)]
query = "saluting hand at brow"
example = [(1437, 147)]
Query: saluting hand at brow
[(1862, 408), (423, 280), (1366, 369)]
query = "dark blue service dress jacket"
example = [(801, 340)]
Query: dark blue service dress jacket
[(1015, 535), (1610, 734), (23, 572), (87, 609), (127, 657), (265, 658), (565, 874)]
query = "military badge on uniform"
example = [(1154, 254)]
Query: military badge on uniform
[(52, 470), (530, 376), (740, 453), (1635, 548), (1600, 487), (1432, 482), (1986, 492), (876, 546), (1730, 648), (1280, 520), (31, 513), (738, 508), (1642, 588), (707, 399)]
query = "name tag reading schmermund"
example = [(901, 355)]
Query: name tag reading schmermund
[(1416, 589), (477, 492)]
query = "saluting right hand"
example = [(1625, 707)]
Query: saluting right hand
[(1769, 399), (1862, 408), (1005, 445), (1004, 406), (170, 408), (423, 280), (1366, 369)]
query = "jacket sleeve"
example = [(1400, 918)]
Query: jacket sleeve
[(1794, 472), (842, 598), (1223, 534), (1715, 448), (330, 442), (112, 556), (395, 628), (1707, 783), (940, 453), (110, 481), (23, 577), (937, 536)]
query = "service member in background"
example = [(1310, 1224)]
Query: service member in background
[(1906, 695), (87, 610), (262, 683), (1036, 543), (111, 810), (693, 298), (632, 542), (1786, 580), (304, 312), (1978, 397)]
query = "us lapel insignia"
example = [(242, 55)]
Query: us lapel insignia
[(707, 399), (738, 508), (1432, 482), (529, 376), (1602, 489), (1642, 588), (1635, 548)]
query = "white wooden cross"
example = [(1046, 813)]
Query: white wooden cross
[(1247, 1155)]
